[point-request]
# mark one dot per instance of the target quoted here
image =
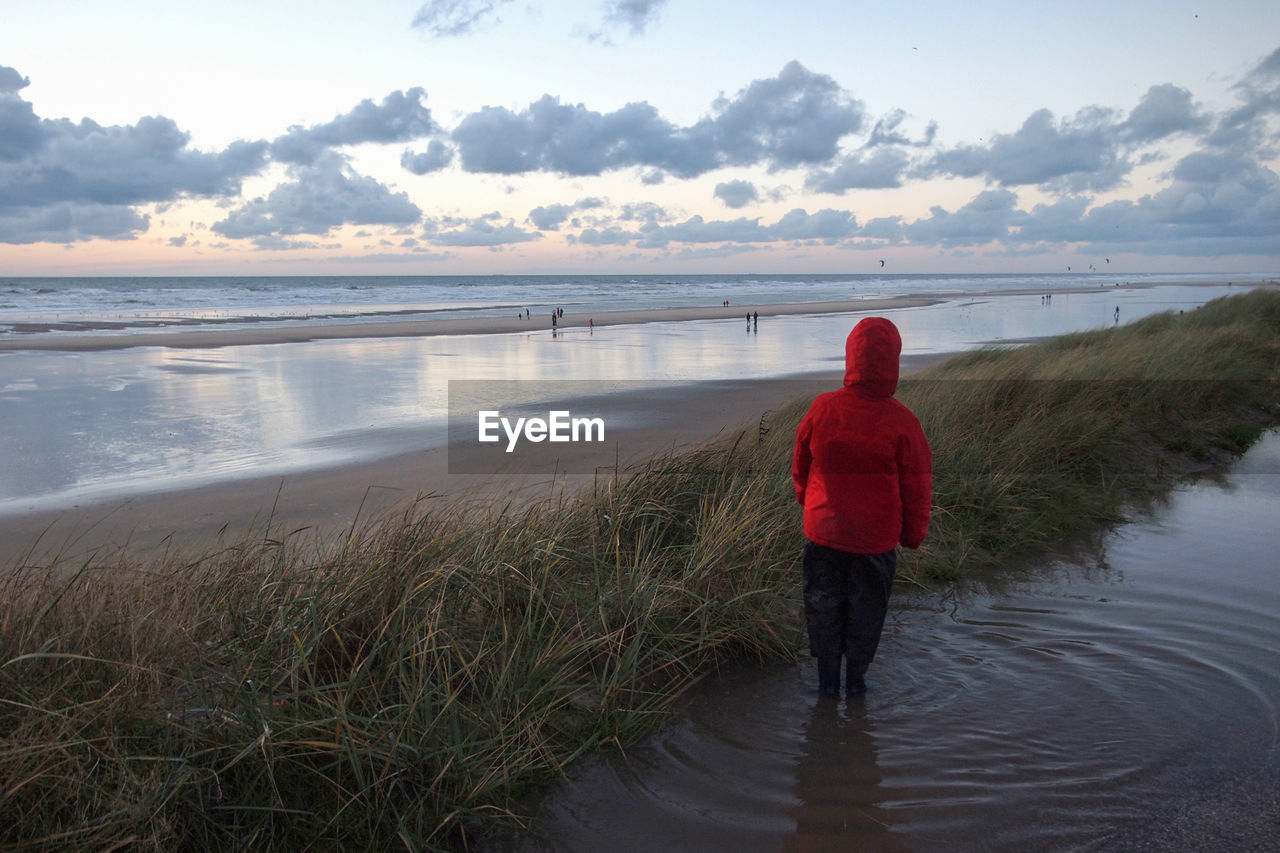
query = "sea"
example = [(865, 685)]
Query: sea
[(69, 306), (91, 426)]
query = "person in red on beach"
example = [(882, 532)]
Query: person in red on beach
[(863, 472)]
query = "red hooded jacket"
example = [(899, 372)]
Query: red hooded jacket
[(862, 467)]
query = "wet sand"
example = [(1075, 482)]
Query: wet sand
[(285, 334), (322, 503), (319, 505), (35, 337)]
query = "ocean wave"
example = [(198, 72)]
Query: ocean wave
[(123, 303)]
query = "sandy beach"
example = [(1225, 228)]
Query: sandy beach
[(91, 336), (327, 500), (320, 504), (277, 334)]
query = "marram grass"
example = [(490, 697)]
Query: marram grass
[(407, 687)]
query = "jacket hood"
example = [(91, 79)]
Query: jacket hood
[(871, 357)]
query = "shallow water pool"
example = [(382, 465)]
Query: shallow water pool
[(1127, 700)]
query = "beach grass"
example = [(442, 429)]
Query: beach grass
[(409, 685)]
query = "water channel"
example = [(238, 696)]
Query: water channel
[(1123, 699)]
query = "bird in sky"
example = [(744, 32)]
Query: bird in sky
[(882, 262)]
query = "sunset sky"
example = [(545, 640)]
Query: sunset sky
[(637, 136)]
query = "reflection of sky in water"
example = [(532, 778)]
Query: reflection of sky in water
[(84, 424)]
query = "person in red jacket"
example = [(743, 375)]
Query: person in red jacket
[(863, 472)]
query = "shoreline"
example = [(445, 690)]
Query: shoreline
[(209, 338), (181, 338), (321, 503)]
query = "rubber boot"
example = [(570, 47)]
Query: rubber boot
[(854, 680), (829, 676)]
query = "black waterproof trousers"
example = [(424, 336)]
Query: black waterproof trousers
[(846, 597)]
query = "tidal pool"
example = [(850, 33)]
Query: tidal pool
[(1123, 700)]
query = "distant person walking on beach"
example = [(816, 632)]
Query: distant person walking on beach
[(755, 319), (863, 472)]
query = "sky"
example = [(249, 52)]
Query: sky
[(451, 137)]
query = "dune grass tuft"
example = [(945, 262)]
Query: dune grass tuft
[(406, 687)]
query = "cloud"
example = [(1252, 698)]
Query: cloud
[(883, 229), (65, 181), (436, 157), (736, 194), (401, 117), (1095, 149), (415, 256), (644, 211), (11, 82), (1245, 126), (827, 226), (442, 18), (21, 133), (145, 162), (882, 170), (886, 132), (551, 217), (479, 231), (1219, 199), (572, 140), (67, 222), (1266, 70), (317, 199), (1219, 203), (698, 230), (274, 242), (635, 15), (610, 236), (794, 119), (984, 220), (1056, 223), (1081, 152), (702, 253), (1163, 111), (79, 180)]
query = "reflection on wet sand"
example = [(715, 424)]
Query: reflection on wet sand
[(107, 424), (839, 785)]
